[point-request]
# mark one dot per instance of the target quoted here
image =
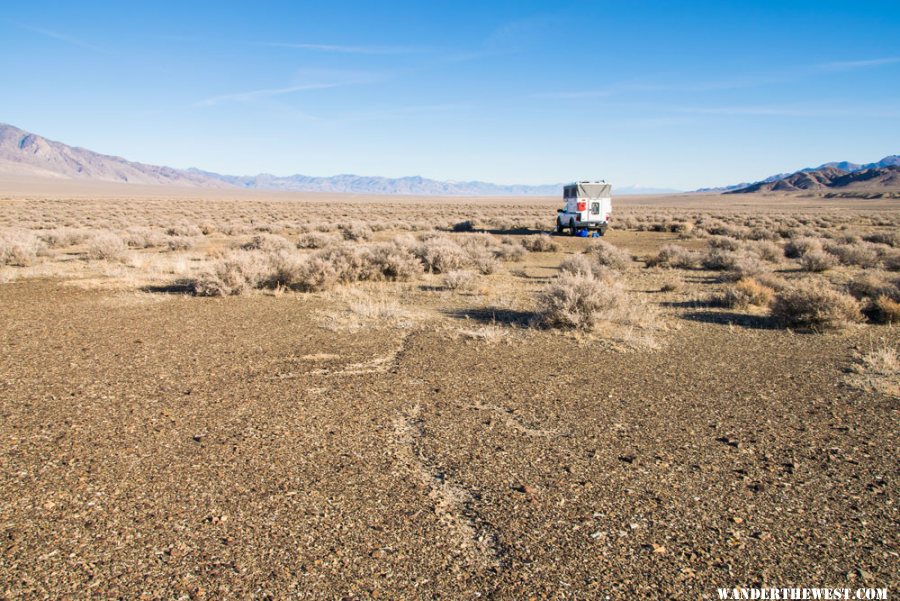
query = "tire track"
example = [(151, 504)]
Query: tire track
[(475, 540)]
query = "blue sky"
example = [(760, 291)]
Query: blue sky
[(666, 94)]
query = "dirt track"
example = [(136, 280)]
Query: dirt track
[(163, 445)]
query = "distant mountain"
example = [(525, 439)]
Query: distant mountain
[(24, 153), (360, 184), (845, 166), (831, 178)]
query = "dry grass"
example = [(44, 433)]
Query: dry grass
[(877, 371)]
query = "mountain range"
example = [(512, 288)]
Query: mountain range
[(826, 175), (28, 154), (863, 178)]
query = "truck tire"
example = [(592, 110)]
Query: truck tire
[(559, 226), (572, 229), (602, 230)]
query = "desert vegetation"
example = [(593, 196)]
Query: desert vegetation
[(480, 381)]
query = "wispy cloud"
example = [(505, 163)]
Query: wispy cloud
[(62, 37), (308, 80), (815, 112), (251, 95), (341, 49), (859, 64)]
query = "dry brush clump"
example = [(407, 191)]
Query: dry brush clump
[(609, 255), (817, 261), (440, 255), (244, 270), (746, 292), (239, 271), (815, 305), (268, 243), (20, 248), (540, 243), (586, 302), (877, 371), (880, 298), (459, 280), (107, 246), (355, 231), (859, 254), (314, 240), (673, 255)]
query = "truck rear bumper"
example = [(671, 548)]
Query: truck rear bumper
[(591, 225)]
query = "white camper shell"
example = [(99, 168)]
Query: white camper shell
[(588, 207)]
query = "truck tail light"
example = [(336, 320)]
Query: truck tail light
[(582, 206)]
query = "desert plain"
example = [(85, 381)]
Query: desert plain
[(235, 395)]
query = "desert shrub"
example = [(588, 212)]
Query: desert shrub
[(871, 286), (891, 261), (394, 262), (144, 237), (19, 247), (351, 263), (814, 304), (746, 292), (483, 260), (540, 243), (673, 255), (817, 261), (509, 253), (573, 301), (184, 229), (179, 243), (768, 250), (763, 233), (280, 268), (771, 280), (440, 255), (889, 238), (885, 310), (719, 259), (315, 240), (106, 246), (316, 273), (797, 247), (683, 228), (268, 243), (236, 273), (860, 254), (207, 228), (458, 280), (577, 265), (355, 231), (723, 243), (464, 226), (64, 237), (604, 253)]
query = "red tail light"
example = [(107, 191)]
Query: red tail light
[(582, 206)]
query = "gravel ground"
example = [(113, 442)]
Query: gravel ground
[(163, 446)]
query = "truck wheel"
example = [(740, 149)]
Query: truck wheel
[(559, 226), (602, 231), (572, 230)]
